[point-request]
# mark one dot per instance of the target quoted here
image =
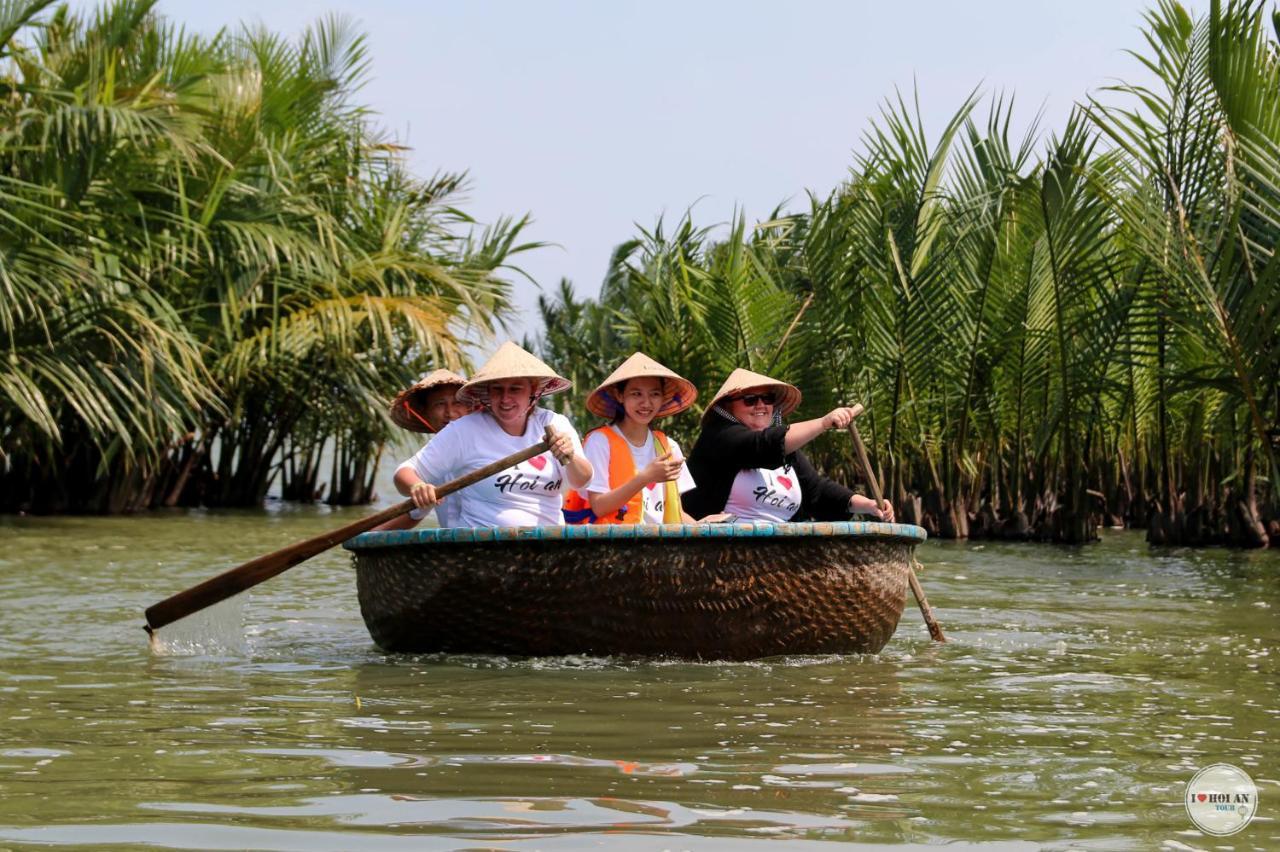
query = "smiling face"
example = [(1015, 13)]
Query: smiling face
[(642, 399), (510, 401), (756, 416)]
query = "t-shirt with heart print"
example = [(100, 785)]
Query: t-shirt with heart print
[(596, 448), (529, 494), (761, 494)]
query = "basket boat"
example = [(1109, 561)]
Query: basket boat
[(693, 591)]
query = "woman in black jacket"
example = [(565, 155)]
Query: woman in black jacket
[(748, 463)]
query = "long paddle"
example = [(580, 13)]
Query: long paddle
[(255, 571), (935, 629)]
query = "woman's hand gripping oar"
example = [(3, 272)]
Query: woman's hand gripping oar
[(935, 629), (255, 571)]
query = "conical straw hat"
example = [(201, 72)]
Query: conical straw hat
[(408, 406), (740, 380), (678, 393), (512, 362)]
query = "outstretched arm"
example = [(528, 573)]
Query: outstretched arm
[(802, 433)]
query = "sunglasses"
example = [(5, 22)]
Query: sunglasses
[(752, 398)]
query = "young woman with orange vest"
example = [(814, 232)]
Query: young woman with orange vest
[(639, 471)]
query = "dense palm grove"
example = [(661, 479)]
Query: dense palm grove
[(213, 267), (215, 272), (1050, 332)]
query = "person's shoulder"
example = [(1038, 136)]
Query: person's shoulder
[(556, 420), (457, 430), (718, 427)]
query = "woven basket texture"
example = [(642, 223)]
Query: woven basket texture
[(711, 599)]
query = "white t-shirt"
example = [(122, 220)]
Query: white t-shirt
[(446, 512), (529, 494), (596, 450), (759, 494)]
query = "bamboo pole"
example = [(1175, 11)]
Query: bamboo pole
[(935, 629)]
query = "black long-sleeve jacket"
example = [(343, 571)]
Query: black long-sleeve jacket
[(724, 448)]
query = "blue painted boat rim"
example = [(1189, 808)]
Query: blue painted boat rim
[(874, 530)]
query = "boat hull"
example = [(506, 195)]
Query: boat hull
[(732, 592)]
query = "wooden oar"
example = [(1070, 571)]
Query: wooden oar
[(255, 571), (935, 629)]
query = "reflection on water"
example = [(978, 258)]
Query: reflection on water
[(1081, 690)]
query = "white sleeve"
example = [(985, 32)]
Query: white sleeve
[(684, 482), (435, 462), (597, 452), (414, 463)]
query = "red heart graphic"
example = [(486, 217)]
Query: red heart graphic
[(651, 485), (784, 482), (1202, 797), (539, 462)]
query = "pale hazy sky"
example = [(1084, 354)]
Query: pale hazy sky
[(594, 116)]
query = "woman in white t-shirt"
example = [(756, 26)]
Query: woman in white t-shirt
[(639, 473), (528, 494), (748, 463)]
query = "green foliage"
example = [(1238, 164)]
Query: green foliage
[(1028, 320), (208, 254)]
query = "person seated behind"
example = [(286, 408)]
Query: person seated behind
[(427, 406), (639, 471), (529, 494), (748, 463)]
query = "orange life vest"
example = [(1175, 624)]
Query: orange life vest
[(622, 467)]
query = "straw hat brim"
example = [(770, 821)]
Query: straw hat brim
[(406, 408), (678, 392), (512, 362), (743, 380)]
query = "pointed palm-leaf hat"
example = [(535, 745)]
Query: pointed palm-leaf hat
[(678, 393), (407, 409), (742, 380), (512, 362)]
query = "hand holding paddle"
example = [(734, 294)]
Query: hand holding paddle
[(255, 571), (935, 629)]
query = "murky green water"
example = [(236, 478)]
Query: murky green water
[(1081, 691)]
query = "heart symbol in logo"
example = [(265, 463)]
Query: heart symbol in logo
[(539, 462), (651, 485), (1202, 797), (784, 482)]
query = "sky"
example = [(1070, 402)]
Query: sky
[(599, 117)]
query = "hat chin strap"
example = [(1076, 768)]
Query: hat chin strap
[(409, 408)]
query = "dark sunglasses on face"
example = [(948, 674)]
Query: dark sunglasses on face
[(752, 398)]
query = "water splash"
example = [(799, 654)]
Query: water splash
[(216, 630)]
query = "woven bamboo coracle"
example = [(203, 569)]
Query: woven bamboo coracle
[(692, 591)]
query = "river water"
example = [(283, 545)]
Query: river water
[(1080, 692)]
